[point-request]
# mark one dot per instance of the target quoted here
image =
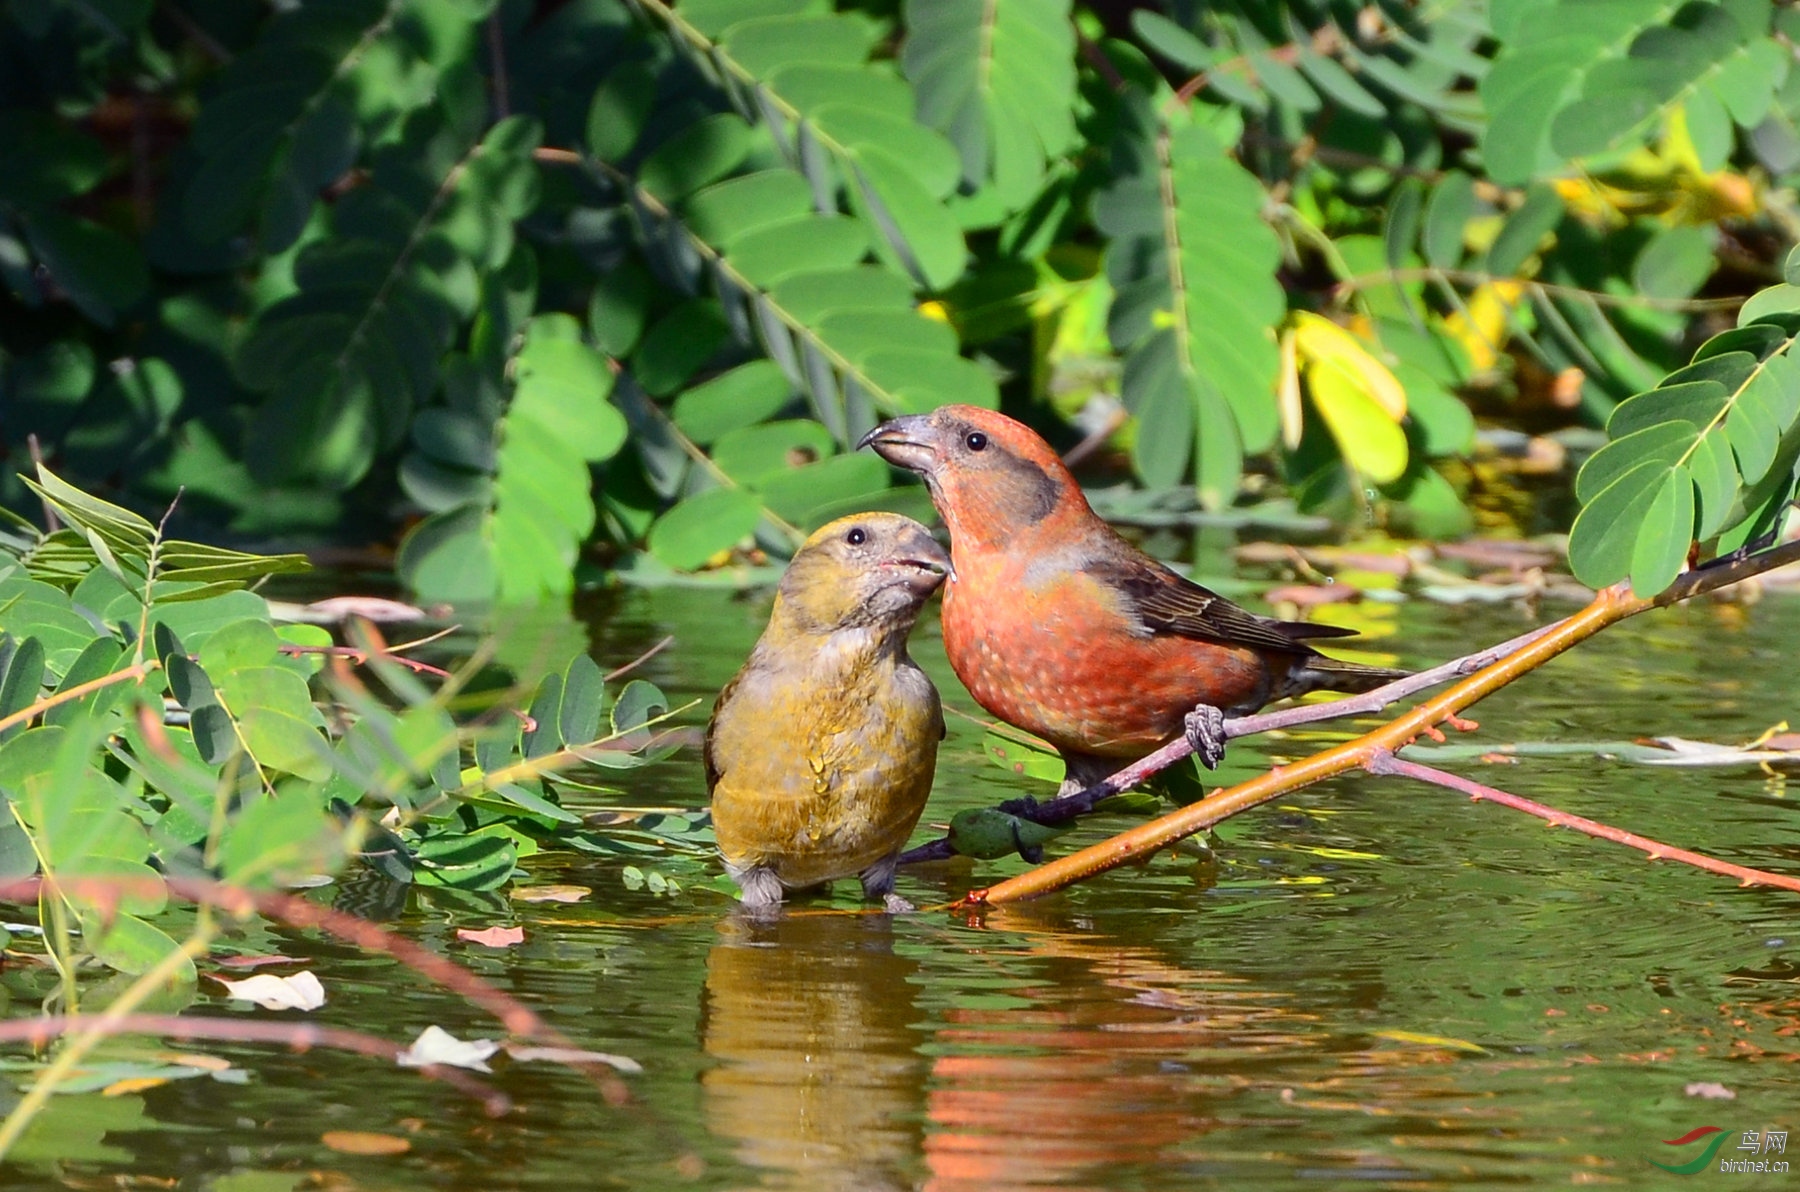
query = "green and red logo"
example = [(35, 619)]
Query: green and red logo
[(1704, 1160), (1757, 1145)]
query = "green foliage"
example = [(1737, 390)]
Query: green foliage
[(1575, 80), (1710, 455), (634, 277), (157, 721)]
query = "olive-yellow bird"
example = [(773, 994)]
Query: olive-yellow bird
[(820, 752)]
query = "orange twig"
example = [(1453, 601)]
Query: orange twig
[(1608, 607), (38, 707)]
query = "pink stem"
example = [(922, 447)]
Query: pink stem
[(1384, 762)]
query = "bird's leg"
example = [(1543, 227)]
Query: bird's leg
[(878, 882), (762, 889), (1206, 734), (1082, 771)]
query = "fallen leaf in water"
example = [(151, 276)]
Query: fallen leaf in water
[(342, 608), (493, 937), (1309, 594), (572, 1055), (1709, 1090), (1432, 1041), (301, 991), (550, 893), (363, 1142), (189, 1059), (435, 1045), (133, 1084), (1683, 752)]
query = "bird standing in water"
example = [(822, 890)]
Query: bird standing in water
[(820, 753), (1059, 626)]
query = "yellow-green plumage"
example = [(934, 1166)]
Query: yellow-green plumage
[(820, 754)]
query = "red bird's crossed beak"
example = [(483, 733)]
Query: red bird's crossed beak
[(906, 442)]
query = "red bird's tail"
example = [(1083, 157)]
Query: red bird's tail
[(1319, 673)]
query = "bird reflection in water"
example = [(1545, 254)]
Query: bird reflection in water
[(1099, 1059), (810, 1021)]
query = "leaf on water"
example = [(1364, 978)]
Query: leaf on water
[(190, 1059), (1709, 1090), (492, 937), (550, 893), (1432, 1041), (435, 1045), (133, 1084), (364, 1142), (335, 609), (254, 961), (571, 1055), (1684, 752), (301, 991)]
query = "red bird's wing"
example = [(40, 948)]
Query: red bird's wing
[(1166, 603)]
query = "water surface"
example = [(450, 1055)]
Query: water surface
[(1370, 981)]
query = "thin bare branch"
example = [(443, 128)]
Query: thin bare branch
[(647, 655), (1384, 762)]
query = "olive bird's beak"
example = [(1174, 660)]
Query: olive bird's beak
[(921, 552), (906, 442)]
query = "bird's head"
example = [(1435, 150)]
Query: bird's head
[(990, 477), (867, 571)]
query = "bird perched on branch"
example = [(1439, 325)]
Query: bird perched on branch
[(820, 752), (1057, 625)]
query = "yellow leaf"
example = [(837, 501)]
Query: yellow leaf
[(364, 1142), (1369, 438), (132, 1084), (1432, 1041), (1287, 393), (1322, 341), (1483, 330), (1678, 142), (1337, 854), (550, 893)]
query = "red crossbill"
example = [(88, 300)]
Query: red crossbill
[(1059, 626), (820, 752)]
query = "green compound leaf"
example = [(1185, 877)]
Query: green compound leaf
[(1196, 302), (998, 79)]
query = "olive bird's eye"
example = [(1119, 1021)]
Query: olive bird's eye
[(856, 537), (976, 441)]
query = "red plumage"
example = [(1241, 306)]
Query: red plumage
[(1057, 625)]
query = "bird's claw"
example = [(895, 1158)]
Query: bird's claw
[(1206, 734), (897, 905)]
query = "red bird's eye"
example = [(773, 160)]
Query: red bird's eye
[(976, 441), (856, 537)]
